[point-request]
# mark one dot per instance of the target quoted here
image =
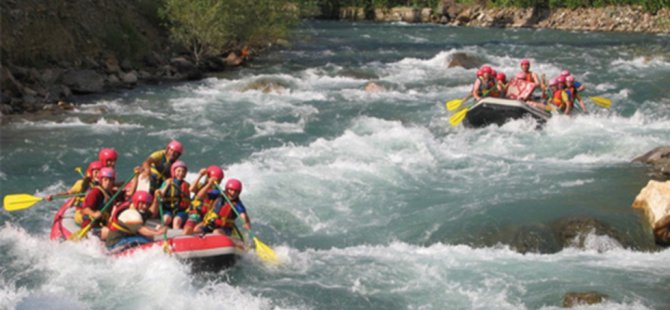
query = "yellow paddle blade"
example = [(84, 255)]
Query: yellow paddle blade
[(265, 253), (458, 117), (166, 247), (602, 101), (77, 235), (15, 202), (453, 104)]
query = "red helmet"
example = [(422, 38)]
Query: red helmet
[(94, 165), (175, 146), (569, 78), (486, 69), (553, 82), (107, 154), (142, 196), (215, 172), (501, 77), (234, 184), (565, 73), (494, 72), (176, 165), (479, 73), (521, 75), (560, 79), (525, 62), (107, 172)]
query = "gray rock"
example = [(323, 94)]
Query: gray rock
[(658, 160), (129, 78), (464, 60), (182, 64), (84, 81)]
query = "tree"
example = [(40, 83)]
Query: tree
[(211, 27)]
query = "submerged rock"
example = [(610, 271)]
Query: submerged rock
[(464, 60), (372, 87), (575, 233), (572, 299), (535, 239), (266, 86)]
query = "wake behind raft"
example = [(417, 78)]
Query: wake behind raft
[(206, 252)]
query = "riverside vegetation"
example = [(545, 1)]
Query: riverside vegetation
[(52, 50)]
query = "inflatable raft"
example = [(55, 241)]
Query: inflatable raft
[(206, 252), (498, 111)]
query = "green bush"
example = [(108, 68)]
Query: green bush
[(211, 27)]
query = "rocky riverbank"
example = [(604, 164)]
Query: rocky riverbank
[(611, 18), (53, 51)]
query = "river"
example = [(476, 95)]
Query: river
[(371, 200)]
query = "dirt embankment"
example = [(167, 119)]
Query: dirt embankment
[(53, 50), (611, 18)]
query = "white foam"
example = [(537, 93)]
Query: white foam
[(79, 274), (100, 125)]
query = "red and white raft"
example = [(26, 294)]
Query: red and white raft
[(209, 251)]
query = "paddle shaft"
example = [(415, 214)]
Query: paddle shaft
[(160, 210)]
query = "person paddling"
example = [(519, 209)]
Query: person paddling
[(484, 85), (156, 168), (559, 98), (206, 196), (96, 198), (501, 84), (573, 92), (221, 218), (175, 196), (530, 76), (82, 185), (126, 226)]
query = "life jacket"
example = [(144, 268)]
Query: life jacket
[(487, 88), (557, 98), (177, 195), (86, 184), (224, 212), (572, 92), (529, 76), (116, 225), (162, 169), (107, 196)]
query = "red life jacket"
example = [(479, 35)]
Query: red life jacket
[(529, 77), (114, 223), (557, 98)]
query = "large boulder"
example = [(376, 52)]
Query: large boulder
[(464, 60), (659, 161), (84, 81), (573, 299), (654, 201)]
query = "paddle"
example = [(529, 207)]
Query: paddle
[(458, 117), (166, 245), (453, 104), (456, 103), (601, 101), (78, 170), (264, 252), (76, 236), (15, 202)]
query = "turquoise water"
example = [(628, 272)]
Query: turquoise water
[(370, 199)]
